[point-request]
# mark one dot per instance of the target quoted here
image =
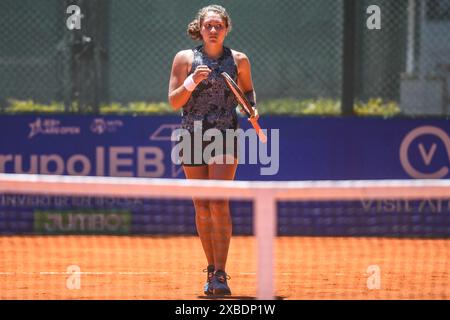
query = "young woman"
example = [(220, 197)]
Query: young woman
[(197, 88)]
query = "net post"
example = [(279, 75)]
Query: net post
[(265, 232)]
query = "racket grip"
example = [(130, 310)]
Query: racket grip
[(259, 132)]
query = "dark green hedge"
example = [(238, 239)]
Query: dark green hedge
[(328, 107)]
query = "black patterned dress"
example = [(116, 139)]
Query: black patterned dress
[(213, 105), (212, 102)]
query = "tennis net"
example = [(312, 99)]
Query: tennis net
[(66, 237)]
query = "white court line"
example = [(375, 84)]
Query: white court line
[(110, 273), (128, 273)]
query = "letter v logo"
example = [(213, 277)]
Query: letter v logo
[(427, 156)]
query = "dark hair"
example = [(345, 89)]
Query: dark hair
[(193, 29)]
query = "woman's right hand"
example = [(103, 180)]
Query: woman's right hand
[(201, 73)]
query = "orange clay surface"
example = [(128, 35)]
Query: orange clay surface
[(150, 267)]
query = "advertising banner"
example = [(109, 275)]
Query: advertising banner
[(297, 149)]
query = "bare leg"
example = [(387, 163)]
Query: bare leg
[(220, 214), (202, 213)]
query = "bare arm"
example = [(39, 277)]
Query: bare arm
[(245, 81), (178, 94)]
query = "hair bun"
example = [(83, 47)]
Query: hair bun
[(193, 30)]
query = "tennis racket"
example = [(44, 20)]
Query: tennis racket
[(246, 106)]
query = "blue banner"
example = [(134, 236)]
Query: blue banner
[(297, 149)]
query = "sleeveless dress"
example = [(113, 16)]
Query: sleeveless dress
[(212, 104)]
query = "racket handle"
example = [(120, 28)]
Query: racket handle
[(259, 132)]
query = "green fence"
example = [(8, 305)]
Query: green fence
[(124, 50)]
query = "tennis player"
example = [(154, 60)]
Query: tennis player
[(197, 88)]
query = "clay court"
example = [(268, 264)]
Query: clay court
[(124, 267)]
